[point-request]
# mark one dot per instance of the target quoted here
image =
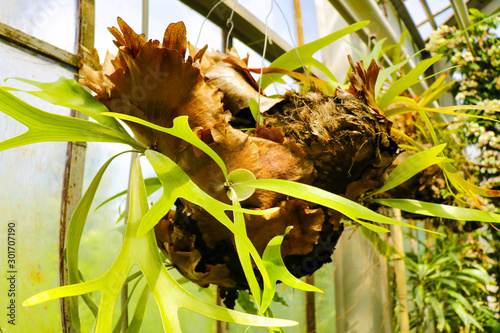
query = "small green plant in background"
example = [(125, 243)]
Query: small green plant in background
[(449, 289), (476, 53)]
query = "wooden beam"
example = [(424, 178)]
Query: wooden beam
[(428, 12), (73, 175), (39, 46), (486, 6), (247, 27)]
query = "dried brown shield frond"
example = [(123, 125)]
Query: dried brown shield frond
[(338, 143)]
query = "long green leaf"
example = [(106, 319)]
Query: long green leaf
[(444, 110), (480, 274), (278, 272), (413, 165), (438, 311), (244, 255), (68, 93), (176, 183), (462, 314), (406, 82), (76, 226), (181, 130), (78, 220), (124, 307), (153, 184), (460, 298), (143, 252), (453, 174), (44, 126), (140, 309), (88, 300), (374, 54), (384, 74), (437, 210), (309, 193), (290, 60)]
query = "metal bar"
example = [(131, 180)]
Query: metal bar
[(408, 21), (247, 28), (428, 12), (298, 22), (490, 7), (439, 12), (461, 13), (74, 173), (39, 46), (145, 18), (368, 10)]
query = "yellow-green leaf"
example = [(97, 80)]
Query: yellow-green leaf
[(303, 55), (278, 272), (44, 126), (438, 210), (405, 82), (68, 93), (413, 165), (309, 193), (181, 130)]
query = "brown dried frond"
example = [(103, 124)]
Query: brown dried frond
[(338, 143), (363, 82)]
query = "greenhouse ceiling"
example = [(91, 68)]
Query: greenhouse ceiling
[(419, 16)]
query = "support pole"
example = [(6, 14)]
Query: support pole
[(73, 176), (400, 271)]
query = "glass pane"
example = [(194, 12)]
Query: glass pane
[(106, 13), (162, 13), (255, 61), (279, 15), (30, 196), (425, 30), (100, 242), (416, 11), (53, 21), (444, 16), (309, 21), (437, 5)]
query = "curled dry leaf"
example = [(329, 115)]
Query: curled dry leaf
[(228, 73), (338, 143)]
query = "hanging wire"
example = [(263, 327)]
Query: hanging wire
[(230, 24), (293, 42), (206, 18), (262, 63)]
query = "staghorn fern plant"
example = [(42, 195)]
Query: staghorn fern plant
[(252, 206)]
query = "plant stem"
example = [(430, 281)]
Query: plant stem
[(221, 327)]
